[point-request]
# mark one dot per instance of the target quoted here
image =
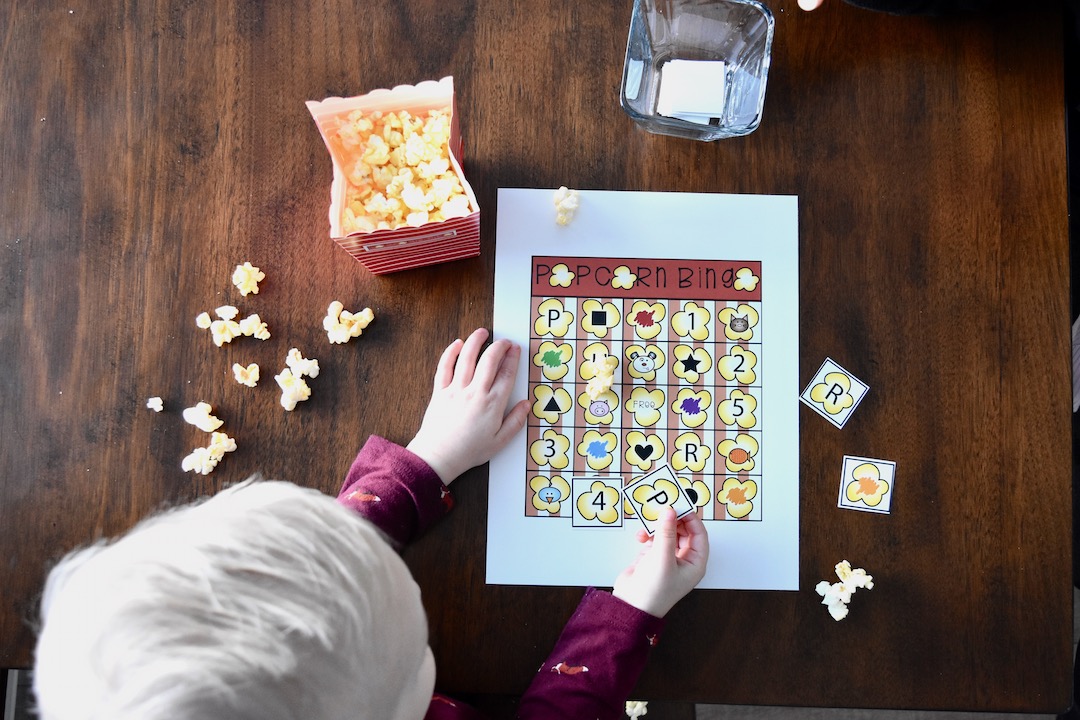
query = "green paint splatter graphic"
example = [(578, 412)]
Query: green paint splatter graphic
[(552, 358)]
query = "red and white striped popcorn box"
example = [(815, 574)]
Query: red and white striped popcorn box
[(403, 247)]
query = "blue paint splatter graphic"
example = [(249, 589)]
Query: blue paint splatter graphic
[(597, 449)]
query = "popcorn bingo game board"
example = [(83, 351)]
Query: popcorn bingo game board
[(696, 299)]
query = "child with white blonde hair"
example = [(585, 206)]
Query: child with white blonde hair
[(269, 601)]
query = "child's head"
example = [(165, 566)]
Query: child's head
[(265, 601)]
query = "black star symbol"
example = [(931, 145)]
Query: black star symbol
[(690, 364)]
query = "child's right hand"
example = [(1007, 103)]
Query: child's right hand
[(671, 564), (467, 420)]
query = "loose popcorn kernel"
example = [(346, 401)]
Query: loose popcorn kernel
[(246, 375), (220, 443), (156, 404), (856, 578), (836, 596), (597, 386), (203, 321), (224, 331), (399, 171), (293, 389), (198, 461), (301, 366), (604, 378), (200, 417), (839, 611), (203, 460), (566, 203), (636, 708), (246, 278), (253, 326), (226, 312), (342, 325)]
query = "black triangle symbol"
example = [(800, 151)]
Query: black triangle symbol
[(552, 406)]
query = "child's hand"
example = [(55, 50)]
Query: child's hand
[(466, 422), (670, 566)]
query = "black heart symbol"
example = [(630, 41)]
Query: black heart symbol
[(643, 451)]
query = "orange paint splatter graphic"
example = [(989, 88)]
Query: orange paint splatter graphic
[(736, 496)]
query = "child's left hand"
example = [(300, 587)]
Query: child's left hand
[(466, 422)]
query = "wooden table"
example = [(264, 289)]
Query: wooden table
[(147, 148)]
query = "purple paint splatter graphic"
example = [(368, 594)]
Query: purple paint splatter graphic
[(691, 406)]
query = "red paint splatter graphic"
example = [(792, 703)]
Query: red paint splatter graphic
[(644, 318)]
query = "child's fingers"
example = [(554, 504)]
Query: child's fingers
[(444, 371), (513, 422), (491, 362), (466, 361), (696, 547), (502, 384), (507, 370), (665, 539)]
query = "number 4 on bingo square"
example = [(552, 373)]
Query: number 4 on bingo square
[(651, 493)]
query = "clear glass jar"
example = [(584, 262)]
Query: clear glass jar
[(725, 44)]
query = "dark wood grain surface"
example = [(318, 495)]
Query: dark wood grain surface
[(147, 148)]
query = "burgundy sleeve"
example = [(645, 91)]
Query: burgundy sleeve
[(595, 663), (395, 490)]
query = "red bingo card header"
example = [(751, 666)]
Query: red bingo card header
[(647, 279)]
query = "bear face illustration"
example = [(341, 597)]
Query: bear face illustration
[(643, 363)]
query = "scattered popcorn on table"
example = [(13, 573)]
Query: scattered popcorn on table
[(246, 278), (203, 321), (203, 460), (293, 389), (224, 331), (342, 325), (837, 595), (227, 312), (253, 326), (199, 461), (156, 404), (856, 578), (301, 366), (636, 708), (566, 204), (246, 375), (604, 378), (200, 417), (400, 172)]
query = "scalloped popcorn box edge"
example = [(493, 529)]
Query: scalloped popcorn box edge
[(403, 248)]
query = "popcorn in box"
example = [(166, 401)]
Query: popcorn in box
[(399, 198)]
